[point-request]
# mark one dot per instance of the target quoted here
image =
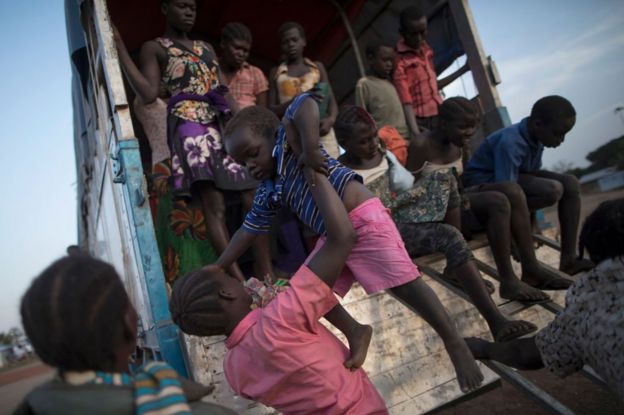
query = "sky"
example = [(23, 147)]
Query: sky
[(574, 48)]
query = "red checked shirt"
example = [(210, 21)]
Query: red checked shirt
[(415, 79), (246, 84)]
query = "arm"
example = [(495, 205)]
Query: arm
[(306, 129), (273, 96), (328, 122), (445, 81), (401, 84), (261, 99), (240, 242), (411, 120), (144, 82), (507, 161), (261, 87), (360, 94), (416, 153), (329, 261)]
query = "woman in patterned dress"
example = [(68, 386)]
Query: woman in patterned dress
[(197, 107)]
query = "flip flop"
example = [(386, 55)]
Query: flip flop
[(556, 283), (503, 336)]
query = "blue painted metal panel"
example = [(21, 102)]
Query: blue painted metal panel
[(146, 251)]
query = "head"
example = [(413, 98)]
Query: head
[(208, 302), (249, 137), (602, 234), (236, 43), (292, 40), (380, 58), (413, 26), (78, 316), (552, 117), (180, 14), (458, 120), (356, 132)]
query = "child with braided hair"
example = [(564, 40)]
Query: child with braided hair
[(80, 320), (419, 214), (378, 260)]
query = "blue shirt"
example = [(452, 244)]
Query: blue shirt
[(289, 187), (504, 155)]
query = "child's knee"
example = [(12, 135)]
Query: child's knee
[(498, 204), (514, 193), (552, 192), (570, 185)]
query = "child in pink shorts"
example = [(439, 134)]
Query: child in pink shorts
[(274, 155)]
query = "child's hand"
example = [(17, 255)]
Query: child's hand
[(326, 125), (315, 161)]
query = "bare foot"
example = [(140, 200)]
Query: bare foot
[(511, 329), (359, 340), (478, 347), (468, 373), (575, 266), (518, 290)]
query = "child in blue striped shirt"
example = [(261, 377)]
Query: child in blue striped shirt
[(276, 155)]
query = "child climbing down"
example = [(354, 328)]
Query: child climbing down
[(378, 260), (281, 355), (80, 321)]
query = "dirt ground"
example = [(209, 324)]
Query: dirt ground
[(16, 383)]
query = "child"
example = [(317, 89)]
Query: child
[(378, 260), (414, 75), (412, 210), (247, 83), (500, 208), (376, 94), (80, 321), (281, 355), (514, 154), (591, 328), (298, 74)]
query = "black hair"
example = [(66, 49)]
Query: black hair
[(372, 47), (602, 234), (74, 314), (260, 120), (194, 305), (290, 25), (347, 118), (552, 107), (410, 13), (455, 108), (235, 31)]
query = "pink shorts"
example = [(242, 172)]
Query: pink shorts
[(378, 260)]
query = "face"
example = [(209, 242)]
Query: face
[(459, 131), (180, 14), (415, 32), (553, 133), (382, 62), (363, 143), (292, 44), (235, 52), (253, 151)]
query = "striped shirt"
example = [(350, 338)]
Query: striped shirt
[(289, 187)]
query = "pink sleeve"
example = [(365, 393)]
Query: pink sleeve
[(401, 82), (260, 81), (301, 306)]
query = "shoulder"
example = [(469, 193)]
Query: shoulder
[(207, 46), (155, 46)]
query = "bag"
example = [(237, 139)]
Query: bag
[(401, 179)]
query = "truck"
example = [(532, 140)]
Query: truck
[(406, 362)]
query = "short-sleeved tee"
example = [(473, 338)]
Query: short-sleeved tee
[(504, 155), (415, 79), (289, 188), (282, 356), (246, 84), (379, 97), (591, 328)]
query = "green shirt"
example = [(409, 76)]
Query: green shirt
[(379, 97)]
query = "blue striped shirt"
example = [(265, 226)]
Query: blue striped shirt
[(289, 187)]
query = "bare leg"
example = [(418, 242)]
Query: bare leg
[(214, 215), (520, 353), (358, 335), (424, 301), (494, 211), (261, 246)]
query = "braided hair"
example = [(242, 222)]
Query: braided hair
[(235, 31), (74, 314), (347, 118), (603, 231), (457, 108), (258, 119), (194, 305), (552, 107)]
